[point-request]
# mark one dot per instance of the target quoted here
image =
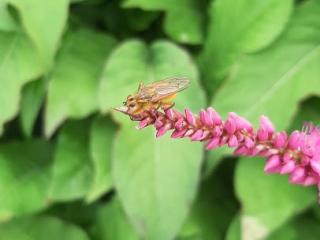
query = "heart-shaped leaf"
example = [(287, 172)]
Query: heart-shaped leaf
[(156, 180)]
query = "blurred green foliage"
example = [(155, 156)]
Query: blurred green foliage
[(71, 168)]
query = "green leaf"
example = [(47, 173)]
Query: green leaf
[(156, 180), (238, 27), (214, 208), (39, 228), (234, 231), (72, 168), (267, 200), (7, 23), (18, 65), (184, 20), (301, 227), (112, 223), (44, 22), (275, 80), (74, 82), (24, 177), (32, 98), (101, 140), (146, 64)]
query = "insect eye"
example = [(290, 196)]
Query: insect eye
[(130, 98), (132, 105)]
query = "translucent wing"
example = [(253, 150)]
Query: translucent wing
[(163, 88)]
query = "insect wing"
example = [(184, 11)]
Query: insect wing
[(163, 88)]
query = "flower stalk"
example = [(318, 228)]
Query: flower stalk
[(297, 154)]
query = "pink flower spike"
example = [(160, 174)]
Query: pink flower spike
[(214, 116), (266, 124), (205, 119), (190, 117), (297, 155), (298, 175), (197, 135), (213, 143), (288, 167), (272, 164), (280, 140)]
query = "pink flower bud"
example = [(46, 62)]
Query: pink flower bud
[(179, 125), (248, 142), (280, 140), (272, 164), (170, 114), (214, 116), (294, 140), (230, 126), (310, 180), (178, 133), (197, 135), (288, 167), (298, 175), (213, 143), (158, 123), (266, 124), (241, 151), (233, 142), (144, 123), (315, 165), (287, 157), (205, 118), (161, 131), (191, 119)]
